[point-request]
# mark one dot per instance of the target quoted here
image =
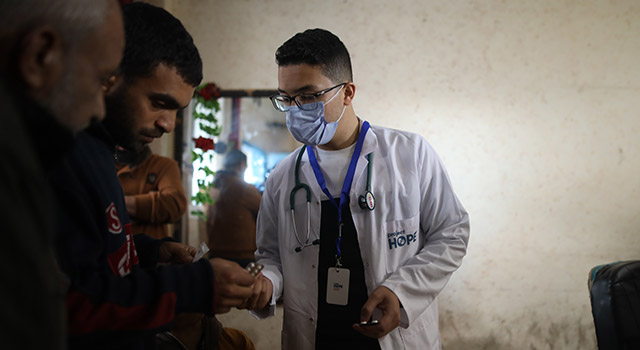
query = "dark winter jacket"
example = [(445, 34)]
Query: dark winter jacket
[(117, 297)]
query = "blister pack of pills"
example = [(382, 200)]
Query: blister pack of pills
[(201, 252), (254, 268)]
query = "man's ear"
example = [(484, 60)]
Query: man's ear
[(349, 93), (41, 59)]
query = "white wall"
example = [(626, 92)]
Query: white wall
[(533, 106)]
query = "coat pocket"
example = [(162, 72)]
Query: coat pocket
[(402, 241)]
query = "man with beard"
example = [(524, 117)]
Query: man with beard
[(56, 58), (119, 296)]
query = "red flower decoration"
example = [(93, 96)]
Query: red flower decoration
[(204, 144), (209, 92)]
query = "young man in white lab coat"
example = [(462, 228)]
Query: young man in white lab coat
[(376, 234)]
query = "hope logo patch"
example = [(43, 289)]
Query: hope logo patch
[(400, 239)]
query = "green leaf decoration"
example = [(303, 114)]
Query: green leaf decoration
[(204, 111), (199, 214)]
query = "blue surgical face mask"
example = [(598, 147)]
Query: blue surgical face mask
[(311, 127)]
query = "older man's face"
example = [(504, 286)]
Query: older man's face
[(78, 99)]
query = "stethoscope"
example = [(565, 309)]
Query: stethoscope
[(365, 201)]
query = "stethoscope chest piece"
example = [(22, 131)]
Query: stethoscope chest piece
[(367, 201)]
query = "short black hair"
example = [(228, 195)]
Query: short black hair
[(317, 47), (154, 36)]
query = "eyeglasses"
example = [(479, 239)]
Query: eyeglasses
[(306, 102)]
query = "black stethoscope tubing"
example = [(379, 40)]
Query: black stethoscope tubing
[(366, 201)]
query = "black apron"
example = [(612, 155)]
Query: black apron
[(334, 330)]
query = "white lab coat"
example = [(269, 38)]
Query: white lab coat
[(412, 241)]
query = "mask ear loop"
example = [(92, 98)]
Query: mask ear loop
[(341, 114), (334, 96), (343, 108)]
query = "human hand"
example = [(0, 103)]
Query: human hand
[(176, 253), (262, 292), (232, 285), (386, 301)]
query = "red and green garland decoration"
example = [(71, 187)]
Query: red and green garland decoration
[(205, 108)]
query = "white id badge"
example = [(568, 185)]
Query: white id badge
[(338, 286)]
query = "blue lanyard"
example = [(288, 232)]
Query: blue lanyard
[(346, 186)]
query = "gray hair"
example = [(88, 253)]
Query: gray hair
[(73, 18)]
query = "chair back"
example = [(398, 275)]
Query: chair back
[(615, 303)]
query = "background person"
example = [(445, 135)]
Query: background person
[(153, 191), (231, 220)]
